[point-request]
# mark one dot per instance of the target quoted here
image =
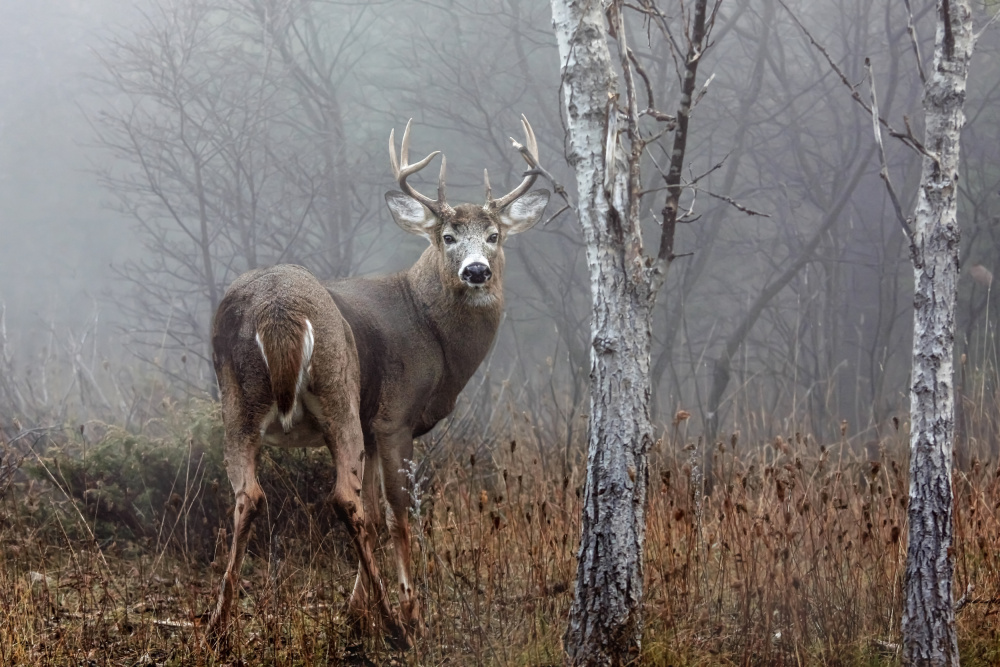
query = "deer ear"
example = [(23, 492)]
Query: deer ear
[(522, 214), (409, 214)]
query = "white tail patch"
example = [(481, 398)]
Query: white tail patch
[(263, 353), (308, 339)]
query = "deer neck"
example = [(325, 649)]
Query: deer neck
[(464, 322)]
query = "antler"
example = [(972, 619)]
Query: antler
[(529, 151), (401, 170)]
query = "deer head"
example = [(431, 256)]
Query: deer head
[(467, 239)]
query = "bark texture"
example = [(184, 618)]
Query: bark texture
[(929, 636), (605, 626)]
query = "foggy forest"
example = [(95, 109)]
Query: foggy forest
[(152, 151)]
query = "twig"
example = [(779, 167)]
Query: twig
[(661, 117), (565, 207), (884, 170), (718, 165), (167, 623), (913, 41), (739, 207), (703, 91), (964, 600), (645, 78), (986, 27)]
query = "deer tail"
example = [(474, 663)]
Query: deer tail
[(286, 341)]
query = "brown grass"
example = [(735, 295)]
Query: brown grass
[(797, 557)]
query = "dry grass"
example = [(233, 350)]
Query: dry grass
[(797, 557)]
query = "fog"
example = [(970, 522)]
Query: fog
[(58, 240), (796, 319)]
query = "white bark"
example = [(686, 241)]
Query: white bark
[(929, 636), (605, 625)]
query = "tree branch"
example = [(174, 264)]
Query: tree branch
[(884, 167)]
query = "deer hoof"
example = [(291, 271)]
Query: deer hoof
[(216, 638), (397, 636), (360, 621), (413, 620)]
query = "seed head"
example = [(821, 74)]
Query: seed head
[(484, 499)]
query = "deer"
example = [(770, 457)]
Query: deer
[(363, 366)]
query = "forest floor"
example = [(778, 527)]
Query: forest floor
[(109, 545)]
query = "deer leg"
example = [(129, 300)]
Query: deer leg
[(349, 460), (241, 454), (357, 606), (394, 453)]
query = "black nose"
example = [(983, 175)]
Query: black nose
[(476, 273)]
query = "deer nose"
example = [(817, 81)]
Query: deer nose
[(476, 273)]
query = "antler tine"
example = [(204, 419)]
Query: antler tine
[(444, 168), (529, 151), (530, 141), (404, 145), (489, 190), (401, 170), (392, 153)]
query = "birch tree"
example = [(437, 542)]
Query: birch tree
[(929, 636), (928, 621), (605, 147)]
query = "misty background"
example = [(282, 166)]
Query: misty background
[(151, 151)]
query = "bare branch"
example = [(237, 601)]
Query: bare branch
[(661, 117), (735, 204), (913, 41), (986, 27), (650, 103), (884, 168), (563, 209)]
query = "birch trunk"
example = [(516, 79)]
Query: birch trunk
[(929, 636), (605, 626)]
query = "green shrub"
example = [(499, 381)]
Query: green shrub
[(167, 488)]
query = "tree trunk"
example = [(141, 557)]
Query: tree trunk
[(929, 636), (605, 626), (606, 617)]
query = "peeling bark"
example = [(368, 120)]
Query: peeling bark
[(929, 636)]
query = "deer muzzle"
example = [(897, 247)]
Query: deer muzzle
[(476, 273)]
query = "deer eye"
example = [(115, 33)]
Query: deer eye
[(494, 237), (448, 239)]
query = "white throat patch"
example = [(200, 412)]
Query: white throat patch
[(480, 297)]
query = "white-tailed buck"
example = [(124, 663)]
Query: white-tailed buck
[(362, 366)]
